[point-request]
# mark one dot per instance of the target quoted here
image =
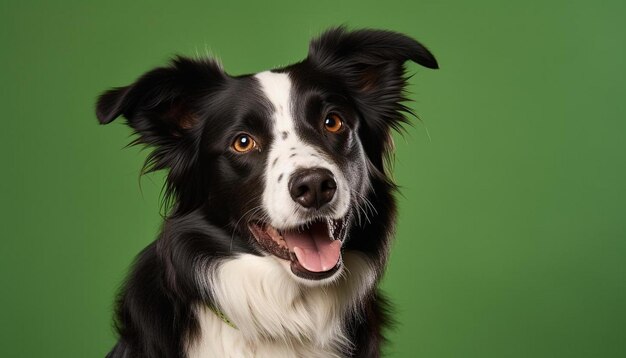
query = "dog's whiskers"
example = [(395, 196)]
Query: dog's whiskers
[(363, 205), (253, 211)]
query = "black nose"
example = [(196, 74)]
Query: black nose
[(312, 187)]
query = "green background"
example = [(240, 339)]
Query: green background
[(512, 230)]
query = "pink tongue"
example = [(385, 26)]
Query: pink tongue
[(314, 249)]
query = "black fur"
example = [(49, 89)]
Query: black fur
[(189, 112)]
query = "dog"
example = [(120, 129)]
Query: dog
[(281, 205)]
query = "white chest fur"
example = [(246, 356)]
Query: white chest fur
[(277, 316)]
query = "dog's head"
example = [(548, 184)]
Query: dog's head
[(285, 159)]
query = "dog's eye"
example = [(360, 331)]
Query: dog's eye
[(333, 123), (243, 143)]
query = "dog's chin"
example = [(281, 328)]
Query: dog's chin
[(311, 252)]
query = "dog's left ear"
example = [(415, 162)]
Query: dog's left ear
[(372, 61)]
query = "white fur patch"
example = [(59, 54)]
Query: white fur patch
[(274, 314), (288, 153)]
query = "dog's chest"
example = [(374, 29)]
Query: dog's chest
[(221, 340), (276, 316)]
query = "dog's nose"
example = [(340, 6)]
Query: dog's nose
[(312, 187)]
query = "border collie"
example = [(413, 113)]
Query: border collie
[(281, 207)]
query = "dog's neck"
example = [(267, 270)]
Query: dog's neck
[(267, 305)]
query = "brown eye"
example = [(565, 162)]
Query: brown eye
[(333, 123), (244, 143)]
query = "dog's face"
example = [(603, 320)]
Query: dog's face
[(284, 159), (312, 168)]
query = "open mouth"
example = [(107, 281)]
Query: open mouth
[(314, 249)]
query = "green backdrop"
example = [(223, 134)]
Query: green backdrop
[(512, 230)]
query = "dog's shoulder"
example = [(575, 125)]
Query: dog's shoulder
[(142, 332)]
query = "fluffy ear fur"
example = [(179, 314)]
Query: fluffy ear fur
[(161, 103), (164, 107), (371, 64), (368, 47)]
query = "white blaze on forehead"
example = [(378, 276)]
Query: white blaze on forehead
[(277, 88), (289, 152)]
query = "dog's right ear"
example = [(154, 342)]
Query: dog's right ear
[(163, 103)]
